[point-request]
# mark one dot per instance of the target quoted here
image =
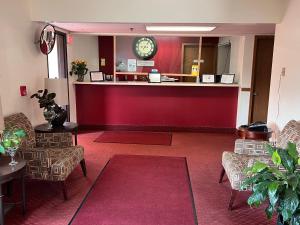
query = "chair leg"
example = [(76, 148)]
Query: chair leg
[(232, 198), (64, 189), (83, 167), (222, 175)]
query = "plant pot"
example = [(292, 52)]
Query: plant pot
[(60, 118)]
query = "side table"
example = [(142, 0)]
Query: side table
[(7, 174), (244, 133), (67, 127)]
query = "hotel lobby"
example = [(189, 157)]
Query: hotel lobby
[(155, 113)]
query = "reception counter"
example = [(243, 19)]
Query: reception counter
[(157, 106)]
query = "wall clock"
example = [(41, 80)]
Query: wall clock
[(144, 47)]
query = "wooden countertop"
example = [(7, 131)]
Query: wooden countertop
[(171, 84)]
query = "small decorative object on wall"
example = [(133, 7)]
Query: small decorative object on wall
[(154, 78), (47, 39), (54, 114), (96, 76), (144, 47), (208, 78), (131, 65), (227, 78), (79, 68), (10, 142), (149, 63)]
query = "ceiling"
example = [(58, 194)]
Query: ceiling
[(224, 29)]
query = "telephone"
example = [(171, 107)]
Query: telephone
[(258, 126)]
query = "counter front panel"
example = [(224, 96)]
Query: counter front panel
[(156, 106)]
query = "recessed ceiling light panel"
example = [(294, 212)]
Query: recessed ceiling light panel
[(180, 28)]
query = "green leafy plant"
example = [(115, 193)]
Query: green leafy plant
[(11, 139), (45, 99), (278, 184)]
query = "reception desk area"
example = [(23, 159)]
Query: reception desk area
[(176, 106)]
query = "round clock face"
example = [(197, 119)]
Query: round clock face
[(144, 47)]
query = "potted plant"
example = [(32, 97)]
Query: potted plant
[(277, 184), (79, 68), (9, 143), (54, 114)]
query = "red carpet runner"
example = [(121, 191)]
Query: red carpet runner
[(135, 137), (135, 190)]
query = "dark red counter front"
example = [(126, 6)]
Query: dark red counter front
[(156, 106)]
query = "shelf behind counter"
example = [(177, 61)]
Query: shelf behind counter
[(170, 84)]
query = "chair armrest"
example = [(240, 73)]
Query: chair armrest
[(251, 147), (54, 140)]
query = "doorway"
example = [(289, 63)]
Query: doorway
[(189, 56), (261, 77)]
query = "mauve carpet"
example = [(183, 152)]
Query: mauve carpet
[(134, 190), (135, 137), (203, 151)]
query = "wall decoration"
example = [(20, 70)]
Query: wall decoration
[(144, 47), (148, 63), (131, 65), (47, 39)]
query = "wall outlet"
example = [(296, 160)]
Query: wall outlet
[(283, 71), (102, 62)]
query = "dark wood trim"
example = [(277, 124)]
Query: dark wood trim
[(250, 114), (88, 128), (246, 89)]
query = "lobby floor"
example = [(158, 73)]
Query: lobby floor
[(203, 152)]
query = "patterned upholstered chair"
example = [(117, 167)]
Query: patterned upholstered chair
[(49, 156), (246, 152)]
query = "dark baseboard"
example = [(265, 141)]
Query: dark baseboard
[(91, 128)]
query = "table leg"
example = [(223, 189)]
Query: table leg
[(75, 134), (23, 193), (1, 207)]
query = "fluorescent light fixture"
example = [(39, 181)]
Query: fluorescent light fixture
[(180, 28)]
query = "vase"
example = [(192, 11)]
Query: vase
[(80, 78), (49, 115), (60, 117), (12, 152)]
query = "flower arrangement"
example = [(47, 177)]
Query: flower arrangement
[(79, 68), (10, 142)]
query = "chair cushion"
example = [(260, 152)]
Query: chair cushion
[(235, 165), (63, 161)]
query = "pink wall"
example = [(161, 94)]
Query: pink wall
[(194, 107), (167, 58)]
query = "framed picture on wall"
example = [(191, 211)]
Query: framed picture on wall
[(208, 78), (96, 76), (227, 78)]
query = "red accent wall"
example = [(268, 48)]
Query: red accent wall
[(106, 51), (167, 58), (156, 106)]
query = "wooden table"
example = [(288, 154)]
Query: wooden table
[(67, 127), (244, 133), (7, 174)]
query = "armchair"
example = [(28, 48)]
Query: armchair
[(246, 152), (49, 156)]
